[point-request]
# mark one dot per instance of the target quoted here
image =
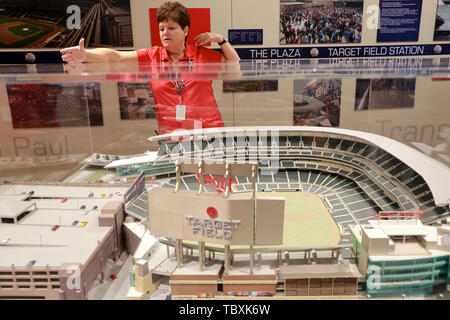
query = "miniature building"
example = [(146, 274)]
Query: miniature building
[(66, 261), (112, 214), (144, 283), (49, 253), (400, 256)]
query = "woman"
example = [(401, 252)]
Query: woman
[(185, 104)]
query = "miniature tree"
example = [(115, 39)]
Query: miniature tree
[(97, 156), (116, 158), (107, 157)]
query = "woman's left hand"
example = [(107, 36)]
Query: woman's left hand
[(206, 37)]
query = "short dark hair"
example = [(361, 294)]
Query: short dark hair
[(175, 11)]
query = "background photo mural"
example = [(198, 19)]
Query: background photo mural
[(59, 24), (55, 105), (442, 27), (320, 22), (136, 101), (394, 93), (317, 102)]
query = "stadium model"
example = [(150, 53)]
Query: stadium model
[(352, 177)]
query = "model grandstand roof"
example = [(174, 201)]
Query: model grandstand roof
[(148, 157), (435, 173)]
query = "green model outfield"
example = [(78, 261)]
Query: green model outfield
[(307, 222)]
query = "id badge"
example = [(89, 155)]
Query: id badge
[(181, 112)]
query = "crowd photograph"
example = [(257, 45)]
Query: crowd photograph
[(328, 22)]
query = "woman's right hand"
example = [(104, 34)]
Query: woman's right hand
[(75, 54)]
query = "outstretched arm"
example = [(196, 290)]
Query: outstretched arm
[(227, 49), (79, 54)]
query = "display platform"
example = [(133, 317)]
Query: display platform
[(325, 178)]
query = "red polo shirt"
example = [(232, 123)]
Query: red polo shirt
[(197, 96)]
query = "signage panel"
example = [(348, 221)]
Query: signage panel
[(203, 218), (136, 188), (399, 20), (245, 36)]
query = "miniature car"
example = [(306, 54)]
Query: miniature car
[(74, 223), (55, 227), (113, 276), (242, 294), (204, 295), (83, 207), (83, 223), (63, 200), (231, 293), (261, 294), (31, 263), (102, 195), (94, 208)]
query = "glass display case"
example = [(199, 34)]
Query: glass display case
[(358, 149)]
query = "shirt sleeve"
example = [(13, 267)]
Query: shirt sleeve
[(144, 56), (145, 59), (208, 55)]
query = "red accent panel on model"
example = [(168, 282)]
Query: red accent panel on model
[(200, 23), (219, 183)]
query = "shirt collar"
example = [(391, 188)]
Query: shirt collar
[(189, 54)]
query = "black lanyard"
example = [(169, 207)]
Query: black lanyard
[(179, 85)]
